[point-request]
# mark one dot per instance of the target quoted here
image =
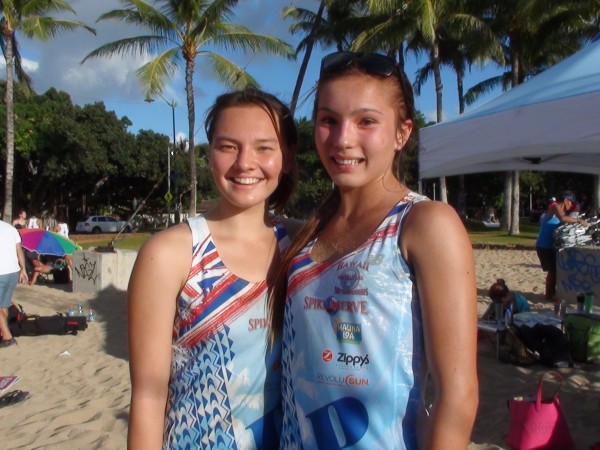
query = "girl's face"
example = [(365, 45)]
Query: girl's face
[(356, 130), (246, 158)]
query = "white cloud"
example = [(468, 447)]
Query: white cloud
[(28, 64)]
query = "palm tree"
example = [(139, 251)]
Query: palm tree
[(423, 26), (534, 34), (184, 30), (460, 48), (307, 43), (30, 18), (327, 27)]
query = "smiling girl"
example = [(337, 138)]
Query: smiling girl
[(380, 287), (202, 373)]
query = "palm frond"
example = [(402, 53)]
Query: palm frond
[(44, 28), (138, 45), (426, 19), (155, 74), (484, 87), (220, 10), (43, 7), (421, 77), (239, 38), (142, 14), (24, 80), (229, 73)]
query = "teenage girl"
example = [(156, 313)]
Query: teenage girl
[(380, 285), (202, 374)]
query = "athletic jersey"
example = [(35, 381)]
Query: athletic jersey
[(225, 386), (545, 237), (353, 346)]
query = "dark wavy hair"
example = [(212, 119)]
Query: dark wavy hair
[(498, 290), (401, 94), (284, 125)]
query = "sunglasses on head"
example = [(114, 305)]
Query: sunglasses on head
[(372, 63)]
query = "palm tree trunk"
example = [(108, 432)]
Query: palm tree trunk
[(10, 126), (596, 194), (435, 59), (461, 109), (506, 218), (516, 195), (306, 59), (189, 90)]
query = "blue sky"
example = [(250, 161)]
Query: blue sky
[(113, 81)]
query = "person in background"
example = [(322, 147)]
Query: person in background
[(36, 266), (61, 227), (49, 221), (34, 223), (12, 271), (556, 214), (20, 222), (575, 210), (378, 291), (202, 372), (513, 301)]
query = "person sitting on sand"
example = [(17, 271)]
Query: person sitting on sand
[(36, 266), (513, 300)]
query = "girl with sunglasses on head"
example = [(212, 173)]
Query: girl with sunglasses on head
[(380, 288), (202, 372)]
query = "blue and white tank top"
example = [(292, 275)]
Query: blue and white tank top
[(353, 346), (225, 386)]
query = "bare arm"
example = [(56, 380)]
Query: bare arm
[(21, 258), (565, 218), (159, 274), (438, 248)]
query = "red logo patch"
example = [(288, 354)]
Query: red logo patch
[(327, 355)]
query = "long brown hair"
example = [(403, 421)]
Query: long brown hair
[(402, 95), (284, 125)]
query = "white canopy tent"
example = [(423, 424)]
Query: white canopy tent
[(549, 123)]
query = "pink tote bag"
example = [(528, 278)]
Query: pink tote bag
[(537, 423)]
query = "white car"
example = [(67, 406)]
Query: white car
[(102, 224)]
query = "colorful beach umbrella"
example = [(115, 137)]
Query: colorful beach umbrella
[(47, 242)]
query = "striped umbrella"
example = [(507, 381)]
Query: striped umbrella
[(47, 242)]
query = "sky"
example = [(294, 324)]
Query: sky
[(57, 63)]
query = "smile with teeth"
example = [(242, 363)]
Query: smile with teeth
[(246, 180), (347, 162)]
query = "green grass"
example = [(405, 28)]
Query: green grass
[(129, 242), (478, 233)]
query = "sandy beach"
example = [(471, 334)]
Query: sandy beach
[(80, 387)]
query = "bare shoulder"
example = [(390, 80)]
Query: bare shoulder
[(431, 224), (293, 226), (172, 247), (433, 214)]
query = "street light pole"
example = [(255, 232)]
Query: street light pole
[(173, 105)]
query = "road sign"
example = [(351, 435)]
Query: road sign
[(168, 197)]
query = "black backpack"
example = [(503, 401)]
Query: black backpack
[(550, 343), (16, 313), (40, 325)]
